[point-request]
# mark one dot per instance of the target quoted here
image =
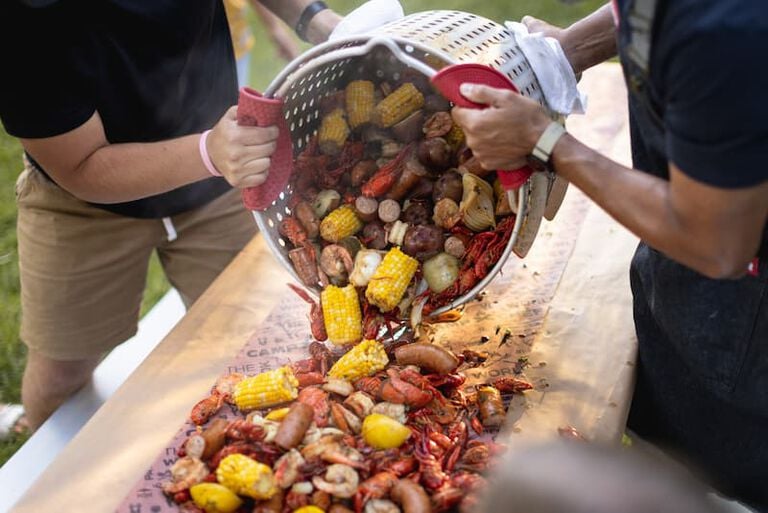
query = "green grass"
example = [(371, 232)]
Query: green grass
[(12, 351), (264, 67)]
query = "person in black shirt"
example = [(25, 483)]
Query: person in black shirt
[(698, 199), (109, 99)]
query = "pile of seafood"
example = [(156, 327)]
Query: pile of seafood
[(375, 430), (390, 214), (391, 217)]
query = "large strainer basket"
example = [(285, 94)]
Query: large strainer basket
[(425, 42)]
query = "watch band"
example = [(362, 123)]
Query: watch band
[(307, 14), (547, 141)]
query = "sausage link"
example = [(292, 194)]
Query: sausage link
[(427, 356), (294, 426)]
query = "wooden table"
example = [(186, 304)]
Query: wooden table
[(586, 344)]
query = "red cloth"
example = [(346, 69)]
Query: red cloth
[(449, 79), (253, 109)]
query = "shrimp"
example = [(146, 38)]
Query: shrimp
[(392, 410), (374, 487), (360, 403), (270, 427), (381, 506), (340, 481), (345, 419), (287, 468), (338, 386), (316, 448), (330, 449), (336, 262), (187, 471)]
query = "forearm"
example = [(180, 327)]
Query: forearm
[(590, 41), (124, 172), (265, 15), (645, 204), (289, 11)]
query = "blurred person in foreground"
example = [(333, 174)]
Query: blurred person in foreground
[(125, 110), (698, 199), (576, 477)]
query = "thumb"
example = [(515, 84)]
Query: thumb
[(480, 93), (534, 24), (231, 113)]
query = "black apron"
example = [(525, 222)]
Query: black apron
[(702, 373)]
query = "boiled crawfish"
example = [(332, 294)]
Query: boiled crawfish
[(483, 252), (383, 179), (316, 321), (393, 389), (222, 391), (511, 385)]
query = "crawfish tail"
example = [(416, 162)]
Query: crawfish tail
[(383, 179)]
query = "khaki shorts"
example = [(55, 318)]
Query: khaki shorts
[(83, 269)]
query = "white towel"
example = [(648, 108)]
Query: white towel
[(367, 17), (552, 69)]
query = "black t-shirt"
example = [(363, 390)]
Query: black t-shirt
[(153, 69), (708, 83)]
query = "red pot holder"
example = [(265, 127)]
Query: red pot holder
[(254, 109), (448, 80)]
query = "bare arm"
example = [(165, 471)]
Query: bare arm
[(289, 11), (281, 36), (84, 163), (713, 230), (587, 42)]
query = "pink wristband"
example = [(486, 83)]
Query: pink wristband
[(204, 154)]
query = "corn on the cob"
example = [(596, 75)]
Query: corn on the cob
[(266, 389), (340, 223), (341, 313), (404, 101), (366, 358), (246, 476), (390, 280), (333, 132), (360, 102)]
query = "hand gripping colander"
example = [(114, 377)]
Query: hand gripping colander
[(425, 42)]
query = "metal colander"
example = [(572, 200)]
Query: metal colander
[(425, 42)]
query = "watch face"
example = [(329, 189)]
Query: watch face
[(537, 164)]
